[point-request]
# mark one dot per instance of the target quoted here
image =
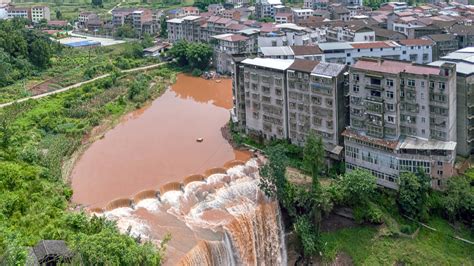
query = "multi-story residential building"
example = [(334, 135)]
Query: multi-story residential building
[(142, 21), (225, 46), (4, 10), (283, 18), (19, 12), (402, 118), (120, 16), (300, 14), (316, 103), (419, 51), (290, 34), (288, 99), (464, 60), (316, 4), (354, 31), (84, 17), (443, 44), (186, 28), (215, 9), (39, 13), (266, 8)]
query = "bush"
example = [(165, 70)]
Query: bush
[(196, 72)]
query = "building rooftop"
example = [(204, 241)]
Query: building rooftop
[(305, 50), (279, 64), (230, 37), (464, 60), (303, 65), (328, 69), (442, 37), (334, 46), (394, 66), (276, 51), (411, 143), (415, 42), (368, 45)]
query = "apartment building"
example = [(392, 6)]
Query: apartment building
[(316, 103), (464, 60), (443, 44), (266, 8), (186, 28), (39, 13), (288, 99), (419, 51), (142, 21), (301, 14), (402, 118), (84, 18), (225, 46), (290, 34), (19, 12)]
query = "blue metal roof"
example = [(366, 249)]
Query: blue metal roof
[(82, 43)]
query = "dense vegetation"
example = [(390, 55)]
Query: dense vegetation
[(37, 138), (195, 56), (396, 213), (22, 51)]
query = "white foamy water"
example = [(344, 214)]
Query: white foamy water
[(224, 220)]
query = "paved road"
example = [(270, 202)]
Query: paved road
[(80, 84)]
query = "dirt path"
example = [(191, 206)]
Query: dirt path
[(80, 84)]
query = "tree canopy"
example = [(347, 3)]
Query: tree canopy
[(196, 55)]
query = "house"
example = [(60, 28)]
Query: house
[(49, 252), (39, 13), (281, 18), (443, 44), (19, 12), (215, 9), (408, 125)]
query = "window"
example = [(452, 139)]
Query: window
[(391, 119), (390, 107), (329, 102), (411, 83), (355, 88), (348, 54), (375, 81), (423, 132), (355, 77), (390, 82), (390, 94), (441, 85), (423, 120), (440, 163), (274, 43), (375, 93), (440, 172)]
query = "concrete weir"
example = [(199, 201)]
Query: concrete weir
[(172, 186), (215, 170), (118, 203), (193, 178)]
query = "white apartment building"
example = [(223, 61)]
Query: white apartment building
[(266, 8), (40, 12), (4, 11), (288, 99), (402, 118), (19, 12), (229, 44), (186, 28), (290, 34), (301, 14)]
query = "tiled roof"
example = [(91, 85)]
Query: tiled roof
[(306, 50), (231, 37), (303, 65), (415, 42), (442, 37), (368, 45), (391, 144), (394, 66)]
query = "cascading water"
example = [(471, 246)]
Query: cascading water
[(223, 220)]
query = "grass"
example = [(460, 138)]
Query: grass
[(428, 248)]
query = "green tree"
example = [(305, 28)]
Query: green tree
[(307, 235), (199, 55), (59, 15), (147, 40), (97, 3), (458, 200), (313, 156), (179, 52), (356, 187), (273, 181), (40, 53), (163, 27), (125, 31), (412, 198)]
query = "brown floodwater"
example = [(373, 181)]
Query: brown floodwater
[(157, 144)]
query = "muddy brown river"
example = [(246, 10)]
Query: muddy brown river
[(157, 144)]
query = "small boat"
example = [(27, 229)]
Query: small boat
[(199, 139)]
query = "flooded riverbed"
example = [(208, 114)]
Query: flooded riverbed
[(151, 176), (157, 144)]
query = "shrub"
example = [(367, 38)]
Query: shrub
[(196, 72)]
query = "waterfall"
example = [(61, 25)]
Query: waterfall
[(222, 220)]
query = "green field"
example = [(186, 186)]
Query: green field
[(434, 248)]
